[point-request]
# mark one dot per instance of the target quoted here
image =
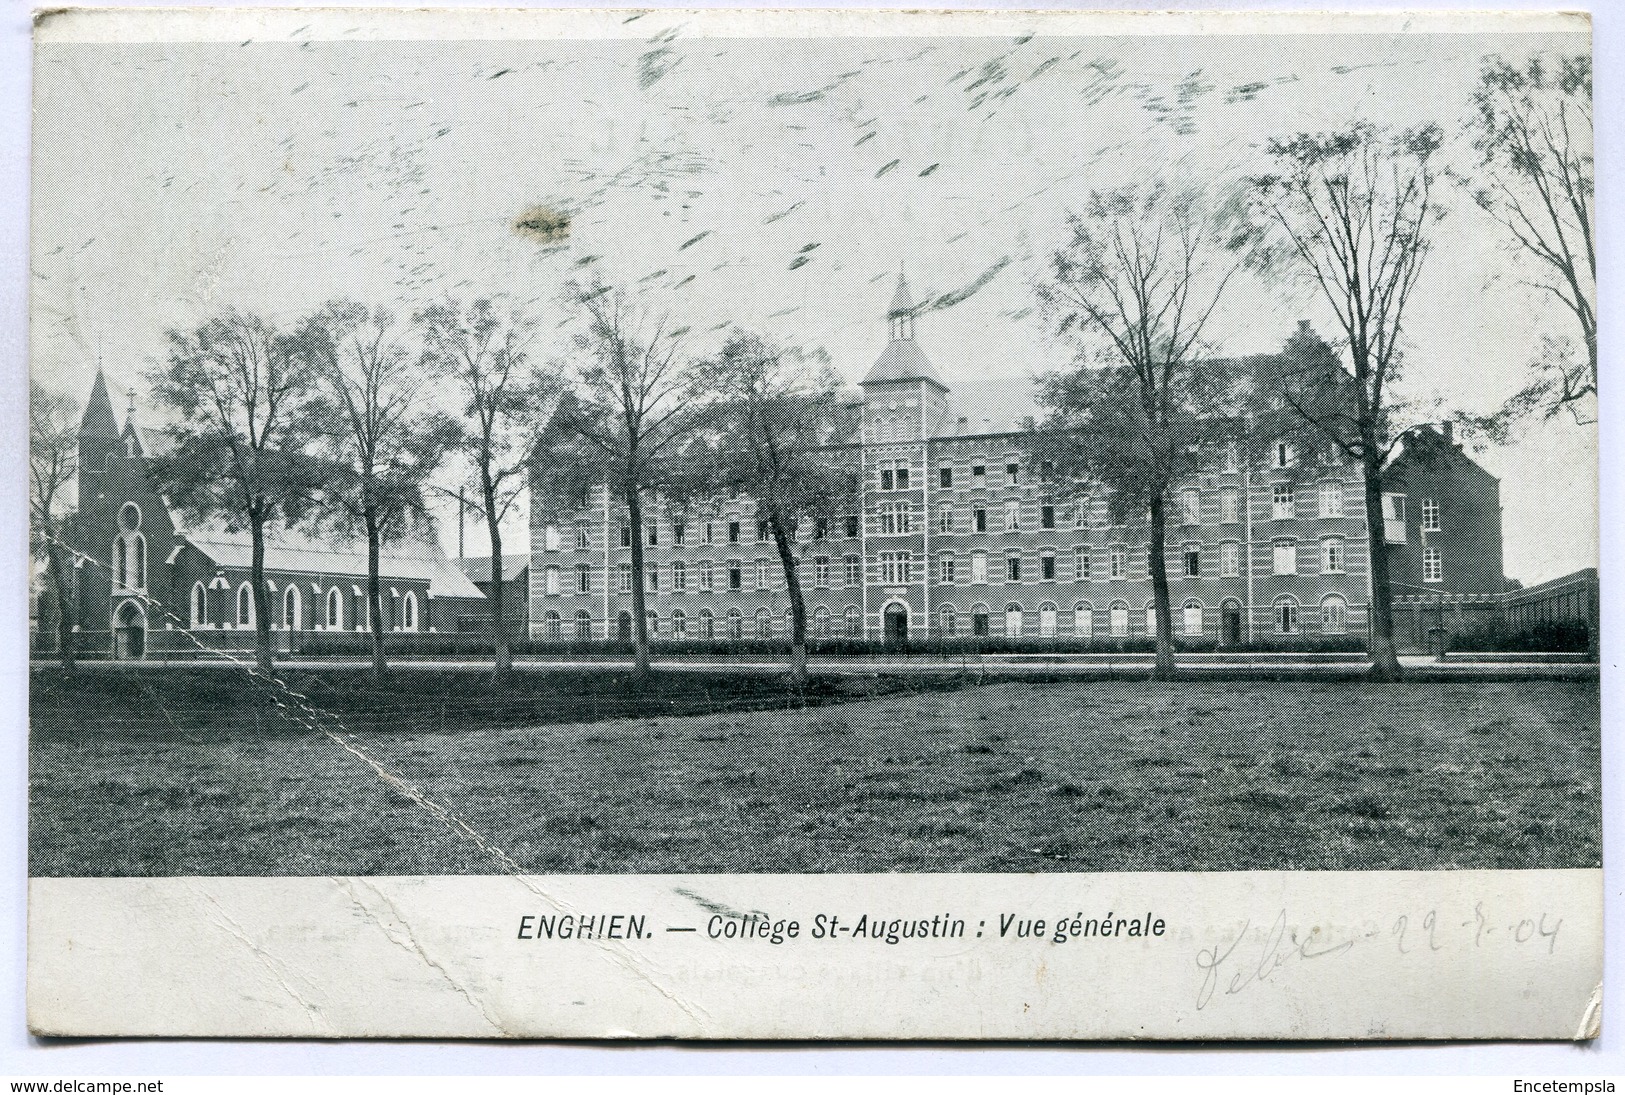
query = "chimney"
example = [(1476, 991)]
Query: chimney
[(987, 424), (1449, 432), (1303, 327), (964, 424)]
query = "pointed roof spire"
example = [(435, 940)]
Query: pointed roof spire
[(902, 302), (99, 420)]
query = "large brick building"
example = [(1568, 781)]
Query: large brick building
[(958, 535), (147, 582)]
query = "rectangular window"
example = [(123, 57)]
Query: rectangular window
[(736, 575), (652, 531), (1229, 505), (885, 479), (651, 578), (945, 568), (1046, 513), (1080, 564), (1012, 567), (902, 477), (1012, 515), (854, 570), (1286, 618), (945, 519), (1283, 454), (1080, 513), (1281, 501), (945, 477), (1331, 498), (583, 578), (821, 572), (1432, 565), (551, 580), (583, 540), (1286, 557), (851, 528), (625, 578), (1012, 474), (888, 567), (978, 475), (1229, 559), (679, 577), (1190, 506), (905, 566), (978, 566), (978, 518), (1430, 515), (710, 533), (705, 576), (820, 528), (761, 532), (677, 537), (1193, 560), (905, 517), (733, 532), (1118, 564), (1046, 566), (762, 579), (1331, 555), (626, 535)]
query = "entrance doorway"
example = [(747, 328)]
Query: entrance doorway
[(896, 618), (130, 631), (623, 627), (1230, 623)]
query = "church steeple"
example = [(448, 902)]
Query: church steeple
[(98, 430), (900, 315)]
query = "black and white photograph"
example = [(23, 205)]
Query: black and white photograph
[(992, 453)]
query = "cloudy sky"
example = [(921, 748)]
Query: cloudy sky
[(777, 183)]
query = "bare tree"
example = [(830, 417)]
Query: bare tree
[(1351, 212), (1531, 127), (383, 438), (778, 411), (506, 402), (637, 406), (241, 445), (1139, 407), (53, 462)]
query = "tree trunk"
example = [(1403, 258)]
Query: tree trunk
[(499, 614), (798, 604), (1384, 659), (57, 576), (256, 583), (375, 607), (640, 620), (1164, 669)]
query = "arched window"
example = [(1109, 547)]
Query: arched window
[(854, 622), (121, 562), (1151, 618), (1012, 620), (200, 605), (679, 577), (979, 620), (290, 608), (245, 606), (736, 624), (1046, 620), (708, 624), (949, 619), (583, 626), (764, 624), (1191, 618), (652, 619), (335, 609), (409, 611), (129, 517), (679, 624), (1286, 615), (1083, 620), (1333, 614), (139, 543), (550, 581), (821, 622), (552, 627), (1118, 616)]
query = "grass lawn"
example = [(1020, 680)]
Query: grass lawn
[(1012, 776)]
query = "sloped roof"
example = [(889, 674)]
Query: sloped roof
[(902, 359), (478, 567), (285, 551), (902, 301)]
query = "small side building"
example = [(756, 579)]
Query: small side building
[(515, 591)]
